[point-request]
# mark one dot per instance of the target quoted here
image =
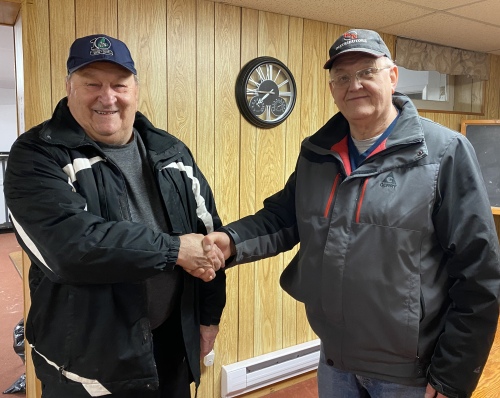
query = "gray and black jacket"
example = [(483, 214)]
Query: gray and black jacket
[(88, 323), (398, 264)]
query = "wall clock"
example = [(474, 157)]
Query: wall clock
[(265, 92)]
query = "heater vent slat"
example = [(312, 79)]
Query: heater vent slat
[(254, 373)]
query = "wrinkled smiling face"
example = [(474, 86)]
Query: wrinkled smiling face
[(367, 101), (103, 99)]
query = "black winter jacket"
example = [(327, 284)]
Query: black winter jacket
[(88, 322)]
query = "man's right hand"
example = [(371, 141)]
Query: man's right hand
[(198, 260), (222, 240)]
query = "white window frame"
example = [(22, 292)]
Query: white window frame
[(422, 104)]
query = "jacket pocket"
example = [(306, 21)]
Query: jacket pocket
[(377, 291), (110, 338)]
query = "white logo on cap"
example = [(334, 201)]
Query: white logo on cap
[(101, 45)]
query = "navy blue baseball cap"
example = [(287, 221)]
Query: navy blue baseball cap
[(360, 40), (88, 49)]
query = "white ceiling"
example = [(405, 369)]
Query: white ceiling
[(467, 24)]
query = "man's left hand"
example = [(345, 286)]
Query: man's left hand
[(430, 392), (207, 338)]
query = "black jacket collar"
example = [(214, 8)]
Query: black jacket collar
[(63, 129)]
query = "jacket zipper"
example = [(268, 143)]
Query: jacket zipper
[(332, 195), (360, 199)]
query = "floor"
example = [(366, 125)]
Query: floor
[(11, 312), (304, 389)]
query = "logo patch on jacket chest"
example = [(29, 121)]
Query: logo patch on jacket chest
[(389, 182)]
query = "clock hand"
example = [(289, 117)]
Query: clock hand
[(263, 92), (265, 96)]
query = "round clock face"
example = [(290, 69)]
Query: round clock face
[(265, 92)]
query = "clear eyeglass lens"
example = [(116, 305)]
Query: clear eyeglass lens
[(362, 75)]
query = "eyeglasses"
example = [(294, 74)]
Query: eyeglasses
[(363, 75)]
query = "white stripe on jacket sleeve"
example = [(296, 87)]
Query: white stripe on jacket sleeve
[(80, 164), (201, 210), (28, 242)]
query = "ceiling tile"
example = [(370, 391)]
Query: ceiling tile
[(446, 29), (438, 4), (356, 13), (489, 12), (361, 14), (464, 23)]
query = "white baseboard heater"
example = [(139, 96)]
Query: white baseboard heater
[(251, 374)]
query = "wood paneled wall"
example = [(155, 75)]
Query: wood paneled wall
[(188, 54)]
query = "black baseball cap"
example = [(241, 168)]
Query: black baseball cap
[(88, 49), (360, 40)]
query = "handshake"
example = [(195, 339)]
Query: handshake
[(202, 255)]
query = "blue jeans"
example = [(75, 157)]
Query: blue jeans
[(335, 383)]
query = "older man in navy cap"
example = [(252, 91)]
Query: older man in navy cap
[(398, 264), (110, 209)]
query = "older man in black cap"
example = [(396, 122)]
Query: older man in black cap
[(108, 209), (398, 264)]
